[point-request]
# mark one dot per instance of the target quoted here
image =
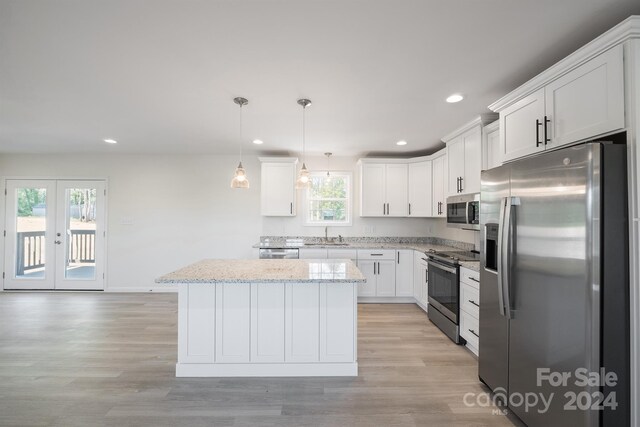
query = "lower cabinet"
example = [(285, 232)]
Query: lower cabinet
[(231, 323), (312, 253), (470, 308), (420, 279), (404, 273), (379, 267)]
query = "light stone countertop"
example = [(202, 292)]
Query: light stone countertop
[(471, 265), (266, 271)]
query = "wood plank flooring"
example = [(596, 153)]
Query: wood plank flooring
[(99, 359)]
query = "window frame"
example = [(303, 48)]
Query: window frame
[(348, 199)]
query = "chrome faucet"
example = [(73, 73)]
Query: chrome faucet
[(326, 234)]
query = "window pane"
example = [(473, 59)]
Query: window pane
[(325, 210), (31, 226), (322, 187), (81, 233), (328, 198)]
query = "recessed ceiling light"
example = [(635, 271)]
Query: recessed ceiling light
[(110, 141), (401, 143), (456, 97), (257, 141)]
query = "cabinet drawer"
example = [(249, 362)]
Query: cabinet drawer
[(342, 254), (377, 254), (470, 277), (470, 300), (469, 329)]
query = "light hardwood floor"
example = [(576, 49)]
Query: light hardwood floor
[(92, 359)]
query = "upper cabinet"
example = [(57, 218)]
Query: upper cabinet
[(420, 189), (464, 155), (491, 146), (383, 189), (584, 102), (277, 193), (439, 179)]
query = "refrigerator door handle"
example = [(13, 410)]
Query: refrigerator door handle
[(500, 266), (507, 252)]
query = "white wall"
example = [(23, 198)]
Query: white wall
[(182, 208)]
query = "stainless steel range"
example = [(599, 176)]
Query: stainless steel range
[(444, 289)]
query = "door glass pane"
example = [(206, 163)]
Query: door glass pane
[(31, 227), (80, 233)]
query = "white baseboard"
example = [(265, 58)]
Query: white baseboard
[(156, 289), (386, 300), (267, 369)]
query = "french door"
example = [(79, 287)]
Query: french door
[(54, 234)]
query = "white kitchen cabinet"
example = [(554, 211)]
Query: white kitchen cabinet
[(420, 279), (379, 267), (233, 325), (470, 307), (420, 189), (491, 146), (277, 186), (585, 102), (464, 155), (312, 253), (404, 273), (337, 323), (521, 127), (302, 322), (439, 178), (267, 322), (196, 344), (384, 191), (368, 269)]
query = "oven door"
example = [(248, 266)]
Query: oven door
[(443, 289)]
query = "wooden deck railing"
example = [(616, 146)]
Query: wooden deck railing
[(30, 248)]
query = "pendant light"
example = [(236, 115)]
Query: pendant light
[(328, 156), (240, 179), (303, 176)]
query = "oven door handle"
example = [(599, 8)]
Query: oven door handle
[(442, 266)]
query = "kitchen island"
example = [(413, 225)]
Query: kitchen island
[(267, 318)]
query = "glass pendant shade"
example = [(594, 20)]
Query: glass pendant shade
[(240, 179), (303, 180)]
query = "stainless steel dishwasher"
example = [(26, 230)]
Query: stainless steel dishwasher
[(278, 253)]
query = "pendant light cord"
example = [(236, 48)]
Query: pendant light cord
[(304, 156), (240, 133)]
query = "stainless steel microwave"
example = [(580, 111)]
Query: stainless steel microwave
[(464, 211)]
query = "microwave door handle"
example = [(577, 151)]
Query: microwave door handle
[(500, 266)]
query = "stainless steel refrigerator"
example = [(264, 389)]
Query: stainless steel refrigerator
[(554, 287)]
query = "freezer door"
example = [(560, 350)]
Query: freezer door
[(494, 327), (554, 281)]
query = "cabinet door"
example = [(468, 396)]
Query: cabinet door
[(418, 276), (302, 322), (196, 322), (439, 209), (456, 159), (386, 279), (372, 199), (420, 189), (233, 314), (337, 322), (493, 149), (587, 101), (472, 161), (396, 190), (277, 194), (368, 269), (518, 127), (310, 253), (404, 273), (351, 254), (267, 322)]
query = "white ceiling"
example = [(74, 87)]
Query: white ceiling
[(159, 76)]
